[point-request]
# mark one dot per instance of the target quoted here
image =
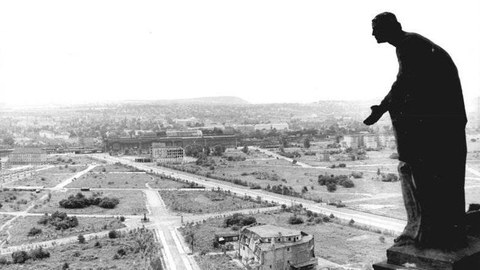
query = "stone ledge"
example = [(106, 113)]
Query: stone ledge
[(410, 257), (385, 266)]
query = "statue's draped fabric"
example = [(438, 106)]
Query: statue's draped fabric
[(428, 116)]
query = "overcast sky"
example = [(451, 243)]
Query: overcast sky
[(261, 51)]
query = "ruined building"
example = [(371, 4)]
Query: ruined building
[(263, 247)]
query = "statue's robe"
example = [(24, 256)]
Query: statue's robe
[(428, 116)]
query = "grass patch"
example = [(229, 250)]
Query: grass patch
[(50, 177), (338, 243), (131, 203), (22, 225), (4, 218), (136, 250), (262, 173), (123, 180), (206, 201), (16, 200), (204, 235), (217, 262), (107, 168), (71, 159)]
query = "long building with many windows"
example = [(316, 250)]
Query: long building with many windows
[(26, 156), (143, 145)]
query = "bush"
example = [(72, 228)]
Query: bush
[(357, 175), (20, 256), (347, 183), (81, 239), (39, 253), (238, 220), (34, 231), (332, 181), (254, 186), (109, 203), (4, 261), (80, 201), (331, 187), (121, 252), (60, 220), (389, 177), (295, 220), (112, 234), (122, 219), (65, 266)]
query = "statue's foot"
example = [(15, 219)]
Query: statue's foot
[(403, 240)]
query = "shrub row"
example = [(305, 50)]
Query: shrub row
[(59, 220), (80, 201)]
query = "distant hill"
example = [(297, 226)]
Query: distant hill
[(225, 100)]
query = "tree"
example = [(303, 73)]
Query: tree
[(206, 150), (112, 234), (306, 142), (238, 219), (34, 231), (283, 141), (38, 254), (20, 256), (331, 187), (218, 150), (9, 140), (81, 239), (347, 183), (295, 220), (193, 150)]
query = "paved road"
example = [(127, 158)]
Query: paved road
[(391, 225), (275, 155), (164, 225), (176, 257), (70, 179)]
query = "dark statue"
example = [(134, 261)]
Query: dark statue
[(427, 110)]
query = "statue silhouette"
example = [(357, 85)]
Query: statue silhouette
[(428, 116)]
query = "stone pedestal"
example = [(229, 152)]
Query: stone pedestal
[(412, 258)]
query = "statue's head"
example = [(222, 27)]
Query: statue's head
[(385, 27)]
